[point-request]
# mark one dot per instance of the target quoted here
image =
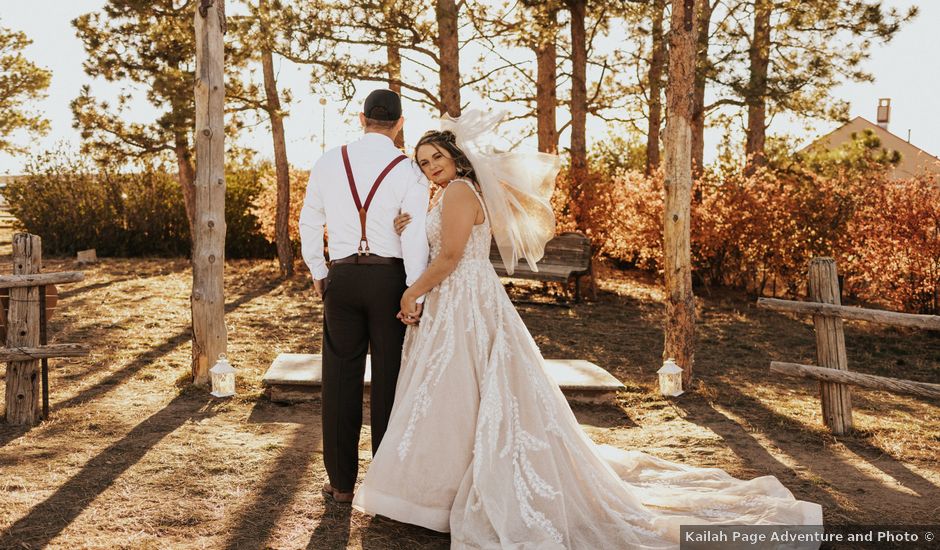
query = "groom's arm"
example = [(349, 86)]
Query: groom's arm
[(414, 239), (312, 221)]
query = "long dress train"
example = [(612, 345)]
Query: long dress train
[(482, 443)]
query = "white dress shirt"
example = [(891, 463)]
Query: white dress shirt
[(329, 202)]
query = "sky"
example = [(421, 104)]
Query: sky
[(907, 70)]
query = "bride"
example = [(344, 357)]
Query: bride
[(481, 442)]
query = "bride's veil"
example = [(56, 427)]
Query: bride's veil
[(517, 187)]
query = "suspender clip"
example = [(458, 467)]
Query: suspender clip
[(363, 250)]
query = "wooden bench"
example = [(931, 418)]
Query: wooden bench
[(567, 256)]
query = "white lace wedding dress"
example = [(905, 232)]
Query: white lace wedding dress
[(482, 443)]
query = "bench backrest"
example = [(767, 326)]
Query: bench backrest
[(570, 250)]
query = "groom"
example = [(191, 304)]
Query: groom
[(356, 191)]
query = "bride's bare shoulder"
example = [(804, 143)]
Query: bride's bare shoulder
[(459, 189), (464, 183), (462, 197)]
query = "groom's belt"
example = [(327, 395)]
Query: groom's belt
[(371, 259)]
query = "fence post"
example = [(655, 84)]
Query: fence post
[(830, 345), (22, 377)]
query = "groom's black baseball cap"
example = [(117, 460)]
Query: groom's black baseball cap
[(382, 105)]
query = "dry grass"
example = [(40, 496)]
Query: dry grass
[(133, 457)]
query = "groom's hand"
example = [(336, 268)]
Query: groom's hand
[(318, 286), (412, 319)]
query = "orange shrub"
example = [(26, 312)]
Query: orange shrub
[(622, 215), (760, 232), (751, 232), (893, 253), (625, 218), (265, 206)]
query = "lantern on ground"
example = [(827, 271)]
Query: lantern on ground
[(670, 378), (223, 378)]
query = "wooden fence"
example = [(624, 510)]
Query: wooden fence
[(833, 369), (27, 350)]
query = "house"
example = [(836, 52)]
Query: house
[(914, 160)]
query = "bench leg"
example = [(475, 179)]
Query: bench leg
[(577, 289)]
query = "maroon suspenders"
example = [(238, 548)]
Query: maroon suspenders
[(364, 208)]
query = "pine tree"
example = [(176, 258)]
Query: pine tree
[(340, 40), (518, 34), (149, 44), (531, 27), (21, 83), (546, 82), (449, 55), (702, 70), (578, 105), (655, 85), (786, 56), (256, 37)]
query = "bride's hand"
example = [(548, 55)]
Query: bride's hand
[(409, 308), (401, 222)]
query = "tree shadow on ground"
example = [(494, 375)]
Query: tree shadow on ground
[(606, 414), (382, 533), (257, 519), (332, 531), (116, 378), (49, 518), (814, 469)]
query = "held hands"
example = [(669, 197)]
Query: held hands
[(410, 313), (401, 222)]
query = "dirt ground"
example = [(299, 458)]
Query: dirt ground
[(135, 457)]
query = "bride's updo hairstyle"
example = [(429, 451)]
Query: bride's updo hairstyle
[(447, 141)]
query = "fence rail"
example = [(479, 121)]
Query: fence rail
[(870, 381), (893, 318), (833, 369)]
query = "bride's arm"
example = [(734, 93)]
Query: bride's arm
[(460, 210)]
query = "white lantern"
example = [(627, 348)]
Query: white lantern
[(223, 378), (670, 378)]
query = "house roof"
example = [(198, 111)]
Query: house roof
[(914, 160)]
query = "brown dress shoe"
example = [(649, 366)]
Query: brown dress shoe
[(337, 496)]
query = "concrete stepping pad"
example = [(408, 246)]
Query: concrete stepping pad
[(294, 377)]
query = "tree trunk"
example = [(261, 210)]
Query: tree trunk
[(546, 83), (22, 377), (450, 57), (393, 58), (655, 88), (208, 297), (578, 173), (757, 86), (698, 99), (578, 91), (394, 76), (285, 255), (187, 178), (680, 302)]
